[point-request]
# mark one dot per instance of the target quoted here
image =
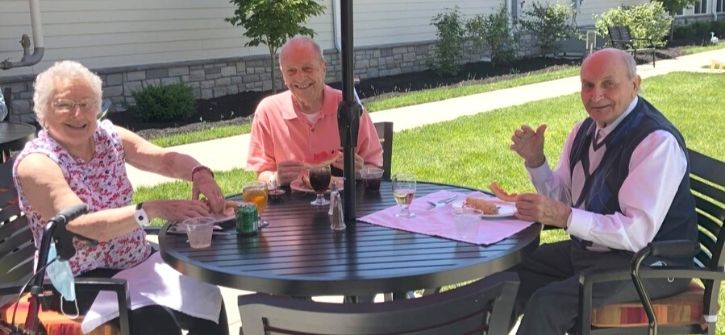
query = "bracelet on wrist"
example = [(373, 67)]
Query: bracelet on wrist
[(200, 168)]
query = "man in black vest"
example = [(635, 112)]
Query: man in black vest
[(621, 182)]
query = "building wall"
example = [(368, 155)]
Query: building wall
[(134, 43)]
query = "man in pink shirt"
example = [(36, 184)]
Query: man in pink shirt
[(299, 125)]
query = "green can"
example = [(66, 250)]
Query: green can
[(247, 219)]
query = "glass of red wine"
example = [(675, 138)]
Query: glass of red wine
[(320, 177)]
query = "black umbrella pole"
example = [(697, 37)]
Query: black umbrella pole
[(351, 109)]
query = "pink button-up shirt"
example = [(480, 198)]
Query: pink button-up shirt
[(280, 132)]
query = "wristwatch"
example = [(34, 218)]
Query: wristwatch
[(142, 218)]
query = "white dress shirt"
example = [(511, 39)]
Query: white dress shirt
[(656, 168)]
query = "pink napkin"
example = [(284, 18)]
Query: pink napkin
[(441, 221)]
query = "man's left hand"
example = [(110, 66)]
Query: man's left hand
[(340, 163), (204, 183), (536, 207)]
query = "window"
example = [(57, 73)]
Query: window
[(701, 7), (720, 6)]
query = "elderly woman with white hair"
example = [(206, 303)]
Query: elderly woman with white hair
[(79, 160)]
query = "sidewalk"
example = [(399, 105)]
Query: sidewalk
[(229, 153)]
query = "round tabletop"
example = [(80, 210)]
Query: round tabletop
[(299, 255), (14, 135)]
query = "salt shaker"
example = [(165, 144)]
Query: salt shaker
[(337, 220)]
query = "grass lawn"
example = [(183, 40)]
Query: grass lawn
[(473, 150)]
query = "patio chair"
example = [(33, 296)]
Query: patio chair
[(16, 268), (693, 311), (385, 135), (620, 38), (482, 307)]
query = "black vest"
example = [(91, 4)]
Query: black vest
[(602, 186)]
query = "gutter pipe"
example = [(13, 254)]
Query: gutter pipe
[(29, 59)]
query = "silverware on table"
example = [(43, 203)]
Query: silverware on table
[(442, 202)]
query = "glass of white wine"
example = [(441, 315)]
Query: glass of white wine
[(404, 192)]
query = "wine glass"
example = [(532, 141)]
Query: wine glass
[(256, 193), (404, 192), (320, 177)]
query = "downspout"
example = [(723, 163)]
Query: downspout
[(714, 11), (38, 44), (336, 25)]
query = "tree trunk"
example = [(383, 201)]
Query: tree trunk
[(271, 61)]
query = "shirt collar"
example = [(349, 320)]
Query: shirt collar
[(610, 127), (289, 111)]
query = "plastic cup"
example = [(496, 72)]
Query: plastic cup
[(466, 222), (199, 231), (371, 176)]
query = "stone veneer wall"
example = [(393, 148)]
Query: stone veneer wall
[(220, 77)]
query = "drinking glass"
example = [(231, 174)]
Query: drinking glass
[(199, 231), (404, 192), (320, 177), (256, 193)]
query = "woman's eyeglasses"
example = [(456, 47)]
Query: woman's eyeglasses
[(67, 105)]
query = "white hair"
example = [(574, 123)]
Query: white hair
[(64, 70)]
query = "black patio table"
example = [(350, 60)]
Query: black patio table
[(13, 136), (299, 255)]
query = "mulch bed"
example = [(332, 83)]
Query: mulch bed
[(237, 108)]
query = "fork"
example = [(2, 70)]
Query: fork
[(442, 202)]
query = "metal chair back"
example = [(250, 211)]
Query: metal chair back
[(385, 135), (482, 307)]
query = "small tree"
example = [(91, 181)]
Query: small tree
[(550, 24), (675, 6), (449, 42), (273, 22), (493, 31), (647, 21)]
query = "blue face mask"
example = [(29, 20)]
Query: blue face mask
[(61, 277)]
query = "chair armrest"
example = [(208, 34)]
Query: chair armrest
[(120, 286), (10, 289), (152, 230)]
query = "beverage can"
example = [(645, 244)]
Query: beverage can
[(247, 219)]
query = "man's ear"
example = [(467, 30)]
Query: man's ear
[(637, 81)]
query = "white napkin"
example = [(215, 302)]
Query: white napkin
[(153, 282)]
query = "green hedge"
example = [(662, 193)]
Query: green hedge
[(164, 103)]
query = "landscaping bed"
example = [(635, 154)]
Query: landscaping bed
[(237, 108)]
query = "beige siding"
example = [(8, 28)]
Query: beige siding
[(590, 8), (111, 33), (404, 21)]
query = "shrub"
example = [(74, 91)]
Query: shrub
[(647, 21), (699, 32), (493, 31), (550, 24), (449, 42), (164, 103)]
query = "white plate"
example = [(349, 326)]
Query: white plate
[(504, 211), (297, 185)]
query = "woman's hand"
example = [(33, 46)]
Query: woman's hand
[(176, 210), (529, 144), (203, 183)]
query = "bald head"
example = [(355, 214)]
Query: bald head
[(609, 84), (621, 57), (298, 44)]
